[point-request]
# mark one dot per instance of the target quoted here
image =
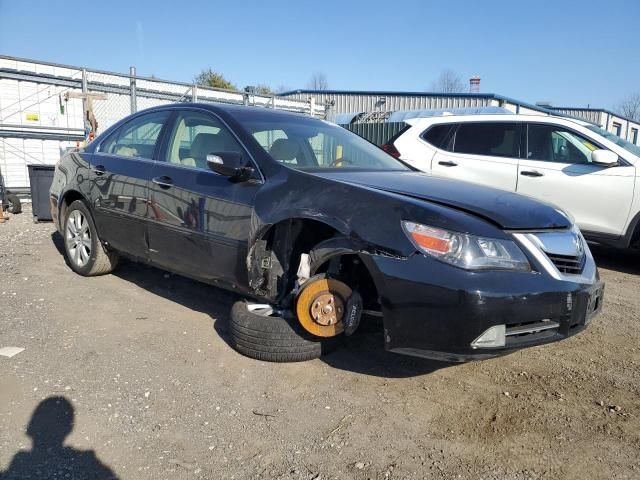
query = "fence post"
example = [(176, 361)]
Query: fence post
[(327, 112), (194, 93), (312, 105), (85, 104), (273, 102), (85, 87), (132, 88)]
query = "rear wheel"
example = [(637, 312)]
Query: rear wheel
[(86, 255), (13, 204), (259, 332)]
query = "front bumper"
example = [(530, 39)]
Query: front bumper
[(434, 310)]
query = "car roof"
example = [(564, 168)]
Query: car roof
[(515, 117), (234, 110)]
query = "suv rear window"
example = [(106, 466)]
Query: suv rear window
[(496, 139), (440, 136)]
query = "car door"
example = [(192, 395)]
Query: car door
[(558, 169), (418, 145), (481, 152), (199, 219), (120, 174)]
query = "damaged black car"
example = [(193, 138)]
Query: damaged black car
[(319, 230)]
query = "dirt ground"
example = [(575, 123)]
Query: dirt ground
[(142, 359)]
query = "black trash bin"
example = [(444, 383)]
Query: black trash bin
[(40, 179)]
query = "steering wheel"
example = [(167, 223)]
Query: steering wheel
[(339, 161)]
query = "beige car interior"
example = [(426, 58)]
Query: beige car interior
[(284, 150), (202, 145)]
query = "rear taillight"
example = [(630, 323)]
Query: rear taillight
[(391, 150)]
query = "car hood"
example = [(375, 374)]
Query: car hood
[(507, 210)]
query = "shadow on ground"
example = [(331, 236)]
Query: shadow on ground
[(51, 422), (617, 259), (362, 353)]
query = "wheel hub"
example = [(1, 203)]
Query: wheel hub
[(327, 309), (320, 306)]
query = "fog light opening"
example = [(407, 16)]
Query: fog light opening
[(492, 337)]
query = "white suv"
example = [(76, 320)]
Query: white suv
[(586, 171)]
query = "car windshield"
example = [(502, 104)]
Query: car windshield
[(612, 137), (309, 144)]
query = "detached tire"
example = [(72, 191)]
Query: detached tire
[(85, 252), (273, 338), (14, 205)]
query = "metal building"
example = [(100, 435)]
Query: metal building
[(622, 126), (343, 106), (343, 102)]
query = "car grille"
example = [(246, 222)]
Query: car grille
[(531, 331), (568, 264)]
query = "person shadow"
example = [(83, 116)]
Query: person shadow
[(51, 422)]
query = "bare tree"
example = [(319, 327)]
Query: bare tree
[(283, 88), (630, 106), (318, 81), (449, 81), (262, 89)]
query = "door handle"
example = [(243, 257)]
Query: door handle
[(448, 163), (99, 170), (531, 173), (164, 181)]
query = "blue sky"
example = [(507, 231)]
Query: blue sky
[(566, 52)]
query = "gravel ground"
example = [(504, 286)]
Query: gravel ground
[(142, 359)]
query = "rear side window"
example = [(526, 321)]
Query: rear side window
[(136, 138), (496, 139), (440, 136)]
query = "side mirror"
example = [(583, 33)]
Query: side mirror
[(229, 164), (604, 158)]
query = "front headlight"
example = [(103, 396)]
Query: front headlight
[(467, 251)]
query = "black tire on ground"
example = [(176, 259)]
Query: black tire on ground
[(100, 261), (273, 338), (15, 206)]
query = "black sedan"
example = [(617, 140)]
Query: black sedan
[(318, 230)]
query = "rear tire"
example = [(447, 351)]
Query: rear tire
[(86, 254), (273, 338), (14, 205)]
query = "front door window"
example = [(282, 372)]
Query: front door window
[(196, 135), (551, 143)]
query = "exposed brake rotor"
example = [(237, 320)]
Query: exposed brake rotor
[(320, 306)]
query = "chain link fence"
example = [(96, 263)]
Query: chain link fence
[(125, 94), (46, 108)]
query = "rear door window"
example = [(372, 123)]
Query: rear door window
[(441, 136), (136, 138), (495, 139)]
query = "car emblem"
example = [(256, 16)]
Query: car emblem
[(577, 241)]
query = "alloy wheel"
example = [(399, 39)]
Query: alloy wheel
[(78, 238)]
